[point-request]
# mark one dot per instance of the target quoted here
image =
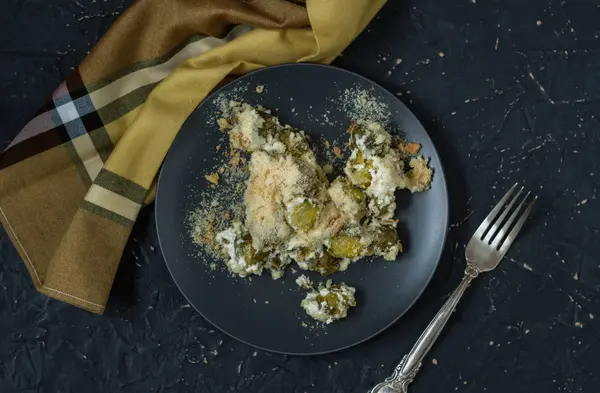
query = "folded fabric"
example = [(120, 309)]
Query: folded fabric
[(75, 178)]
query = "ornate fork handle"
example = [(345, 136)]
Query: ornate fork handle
[(405, 372)]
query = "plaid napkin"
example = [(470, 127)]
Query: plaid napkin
[(75, 178)]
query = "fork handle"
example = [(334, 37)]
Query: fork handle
[(405, 372)]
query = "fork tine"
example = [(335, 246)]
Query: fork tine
[(490, 217), (495, 243), (513, 233), (492, 232)]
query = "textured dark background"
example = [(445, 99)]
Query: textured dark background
[(509, 91)]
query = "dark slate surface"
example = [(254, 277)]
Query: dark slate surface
[(509, 92)]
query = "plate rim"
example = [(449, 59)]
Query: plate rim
[(436, 172)]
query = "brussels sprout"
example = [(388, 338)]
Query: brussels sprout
[(359, 158), (362, 177), (355, 130), (321, 175), (385, 237), (294, 141), (304, 216), (269, 126), (335, 305), (327, 264), (247, 251), (354, 193), (371, 144), (331, 299), (344, 246)]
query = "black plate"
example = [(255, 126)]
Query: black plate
[(267, 313)]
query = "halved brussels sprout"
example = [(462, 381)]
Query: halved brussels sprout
[(327, 264), (331, 299), (371, 144), (269, 126), (385, 237), (304, 216), (344, 246), (354, 192), (294, 142), (359, 158), (247, 251), (362, 177), (334, 304), (355, 130)]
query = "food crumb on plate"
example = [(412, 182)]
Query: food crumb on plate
[(337, 151), (329, 302), (223, 124), (213, 178), (413, 148), (304, 282)]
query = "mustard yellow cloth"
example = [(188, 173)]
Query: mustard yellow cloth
[(75, 178)]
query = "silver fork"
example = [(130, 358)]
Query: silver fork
[(484, 252)]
